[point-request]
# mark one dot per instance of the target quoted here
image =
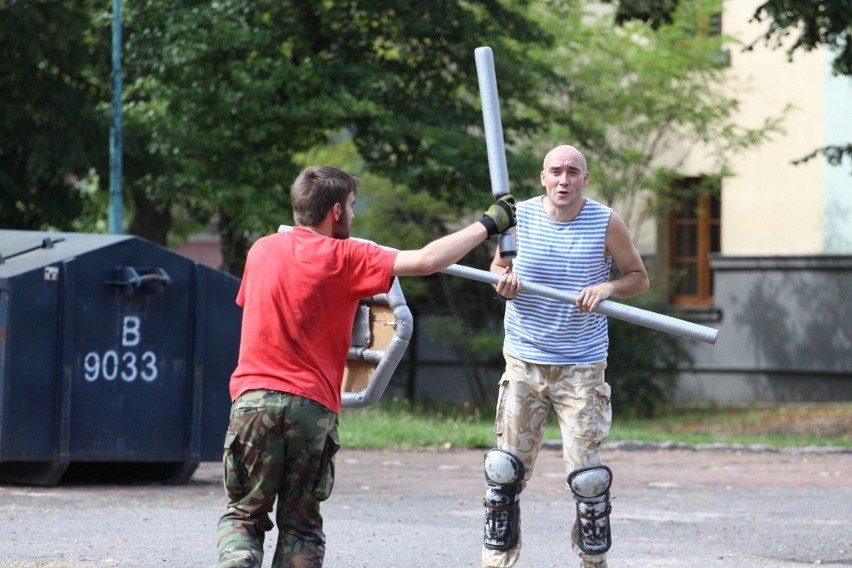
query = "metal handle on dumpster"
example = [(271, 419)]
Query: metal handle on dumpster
[(138, 280)]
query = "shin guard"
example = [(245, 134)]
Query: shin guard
[(590, 486), (503, 475)]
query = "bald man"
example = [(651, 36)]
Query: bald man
[(556, 354)]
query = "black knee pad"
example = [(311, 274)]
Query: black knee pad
[(503, 476), (590, 486)]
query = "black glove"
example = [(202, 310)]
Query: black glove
[(500, 216)]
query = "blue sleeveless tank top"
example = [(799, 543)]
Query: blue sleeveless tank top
[(567, 256)]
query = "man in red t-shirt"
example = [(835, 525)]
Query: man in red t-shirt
[(299, 293)]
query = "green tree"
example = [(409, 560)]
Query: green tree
[(229, 92), (53, 132), (654, 12), (233, 94), (817, 23), (225, 100)]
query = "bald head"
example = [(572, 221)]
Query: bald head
[(563, 177), (564, 154)]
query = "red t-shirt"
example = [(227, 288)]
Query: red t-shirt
[(299, 293)]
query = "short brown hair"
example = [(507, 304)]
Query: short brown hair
[(316, 190)]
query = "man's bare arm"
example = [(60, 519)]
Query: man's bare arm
[(440, 253), (633, 277)]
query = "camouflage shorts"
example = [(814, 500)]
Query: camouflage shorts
[(580, 398), (278, 446)]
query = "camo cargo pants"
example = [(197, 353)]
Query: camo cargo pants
[(581, 400), (278, 446)]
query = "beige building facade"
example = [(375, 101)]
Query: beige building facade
[(780, 250), (770, 206)]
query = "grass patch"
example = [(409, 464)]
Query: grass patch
[(802, 424), (402, 426)]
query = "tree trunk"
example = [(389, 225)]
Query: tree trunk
[(150, 221), (234, 247)]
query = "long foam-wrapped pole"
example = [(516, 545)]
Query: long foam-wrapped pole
[(609, 308), (491, 120), (493, 127), (623, 312)]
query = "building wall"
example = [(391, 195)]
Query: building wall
[(785, 332), (837, 117), (202, 248), (782, 280), (771, 206)]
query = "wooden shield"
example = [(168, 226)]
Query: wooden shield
[(381, 324), (380, 334)]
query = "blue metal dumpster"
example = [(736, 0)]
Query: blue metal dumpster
[(114, 353)]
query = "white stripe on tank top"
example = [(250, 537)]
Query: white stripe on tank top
[(568, 256)]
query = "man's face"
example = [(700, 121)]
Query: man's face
[(340, 229), (564, 176)]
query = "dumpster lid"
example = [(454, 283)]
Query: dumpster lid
[(22, 251)]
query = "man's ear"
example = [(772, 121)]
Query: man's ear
[(336, 211)]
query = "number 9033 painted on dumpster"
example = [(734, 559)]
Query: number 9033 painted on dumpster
[(125, 363)]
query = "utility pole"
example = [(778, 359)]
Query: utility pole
[(116, 201)]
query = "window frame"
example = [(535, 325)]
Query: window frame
[(702, 218)]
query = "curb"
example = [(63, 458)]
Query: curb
[(639, 446)]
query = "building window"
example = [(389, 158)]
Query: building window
[(694, 235)]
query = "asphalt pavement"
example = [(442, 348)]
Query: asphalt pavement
[(673, 506)]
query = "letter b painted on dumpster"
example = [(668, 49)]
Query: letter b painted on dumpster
[(130, 331)]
